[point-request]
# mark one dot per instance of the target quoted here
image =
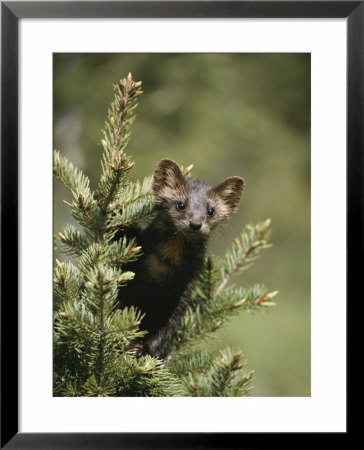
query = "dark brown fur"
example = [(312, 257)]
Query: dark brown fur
[(173, 252)]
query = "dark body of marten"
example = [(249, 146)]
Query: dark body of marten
[(173, 247)]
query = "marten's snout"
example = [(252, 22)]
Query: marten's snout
[(195, 226)]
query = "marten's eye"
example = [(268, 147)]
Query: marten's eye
[(211, 212), (180, 206)]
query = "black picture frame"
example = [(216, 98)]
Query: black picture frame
[(11, 12)]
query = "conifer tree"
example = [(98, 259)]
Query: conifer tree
[(95, 342)]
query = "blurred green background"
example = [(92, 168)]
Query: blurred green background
[(228, 114)]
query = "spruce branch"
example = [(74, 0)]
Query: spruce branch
[(80, 317), (76, 330), (221, 375), (146, 377), (104, 387), (67, 282), (73, 241), (243, 250), (65, 388), (84, 207), (120, 252), (116, 176), (126, 321), (114, 254), (196, 362), (133, 192), (208, 312), (131, 213), (74, 179), (115, 164)]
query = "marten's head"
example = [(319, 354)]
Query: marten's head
[(193, 206)]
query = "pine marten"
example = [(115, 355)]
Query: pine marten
[(173, 247)]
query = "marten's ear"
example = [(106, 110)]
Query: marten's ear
[(169, 182), (228, 195)]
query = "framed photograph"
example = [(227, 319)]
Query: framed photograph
[(251, 108)]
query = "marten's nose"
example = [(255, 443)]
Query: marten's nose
[(195, 226)]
